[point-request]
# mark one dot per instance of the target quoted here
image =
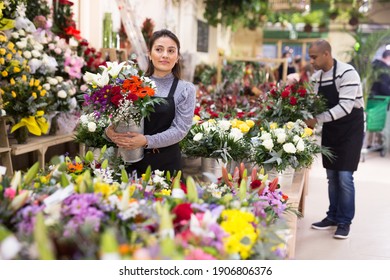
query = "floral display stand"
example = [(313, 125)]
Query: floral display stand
[(40, 145), (5, 149)]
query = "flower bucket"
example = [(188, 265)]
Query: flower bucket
[(212, 169), (286, 177), (130, 156), (191, 165)]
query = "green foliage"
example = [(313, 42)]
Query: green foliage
[(363, 53), (37, 8), (247, 13)]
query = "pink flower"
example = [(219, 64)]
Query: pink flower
[(199, 254), (9, 193)]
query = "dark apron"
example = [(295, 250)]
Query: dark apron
[(343, 136), (167, 158)]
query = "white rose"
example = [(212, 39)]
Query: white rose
[(236, 134), (91, 127), (36, 53), (289, 148), (281, 137), (62, 94), (268, 144), (265, 136), (59, 79), (22, 32), (198, 136), (83, 119), (27, 54), (224, 125), (296, 138), (301, 145)]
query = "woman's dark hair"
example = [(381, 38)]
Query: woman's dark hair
[(176, 71)]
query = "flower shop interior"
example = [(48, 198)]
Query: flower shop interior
[(249, 160)]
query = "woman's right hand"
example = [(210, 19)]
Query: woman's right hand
[(110, 133)]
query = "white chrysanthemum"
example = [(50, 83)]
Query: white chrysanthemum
[(22, 32), (15, 35), (289, 148), (62, 94), (22, 44), (52, 81), (46, 86), (198, 136), (268, 144), (91, 127), (27, 54), (36, 53)]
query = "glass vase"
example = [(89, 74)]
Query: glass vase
[(135, 155), (285, 177), (107, 30)]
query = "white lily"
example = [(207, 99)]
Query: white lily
[(89, 77), (16, 180), (102, 79), (114, 68)]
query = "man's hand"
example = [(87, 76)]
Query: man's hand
[(311, 122)]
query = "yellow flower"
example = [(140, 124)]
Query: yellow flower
[(13, 94), (3, 38), (307, 132), (212, 121), (2, 60), (42, 92), (236, 123), (2, 51), (1, 91), (40, 88), (34, 94), (289, 125), (16, 69), (36, 83), (10, 46), (12, 81), (273, 125), (4, 73), (24, 78), (196, 118), (250, 123), (31, 82), (13, 51), (165, 192), (104, 188), (8, 56), (244, 128)]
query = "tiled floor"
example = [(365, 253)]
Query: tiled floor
[(370, 231)]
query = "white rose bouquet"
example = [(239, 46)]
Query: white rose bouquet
[(218, 138), (293, 144)]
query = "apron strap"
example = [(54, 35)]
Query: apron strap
[(173, 87)]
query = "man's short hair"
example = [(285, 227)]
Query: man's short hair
[(386, 53)]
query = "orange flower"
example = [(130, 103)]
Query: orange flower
[(145, 91), (75, 167)]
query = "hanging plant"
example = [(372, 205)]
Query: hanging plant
[(247, 13)]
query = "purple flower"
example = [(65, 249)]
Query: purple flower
[(26, 216)]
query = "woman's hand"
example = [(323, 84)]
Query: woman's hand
[(311, 123), (127, 140)]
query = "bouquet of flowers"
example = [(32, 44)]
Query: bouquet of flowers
[(285, 103), (292, 144), (218, 138), (121, 92)]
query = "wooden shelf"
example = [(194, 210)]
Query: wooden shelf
[(39, 145), (5, 150)]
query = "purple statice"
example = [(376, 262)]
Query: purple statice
[(26, 218), (217, 241), (82, 209)]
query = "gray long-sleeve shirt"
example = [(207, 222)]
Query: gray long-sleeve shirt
[(185, 99)]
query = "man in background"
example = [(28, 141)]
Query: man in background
[(381, 86), (342, 133)]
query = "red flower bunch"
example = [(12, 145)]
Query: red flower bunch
[(286, 103)]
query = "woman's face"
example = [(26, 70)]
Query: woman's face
[(164, 54)]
